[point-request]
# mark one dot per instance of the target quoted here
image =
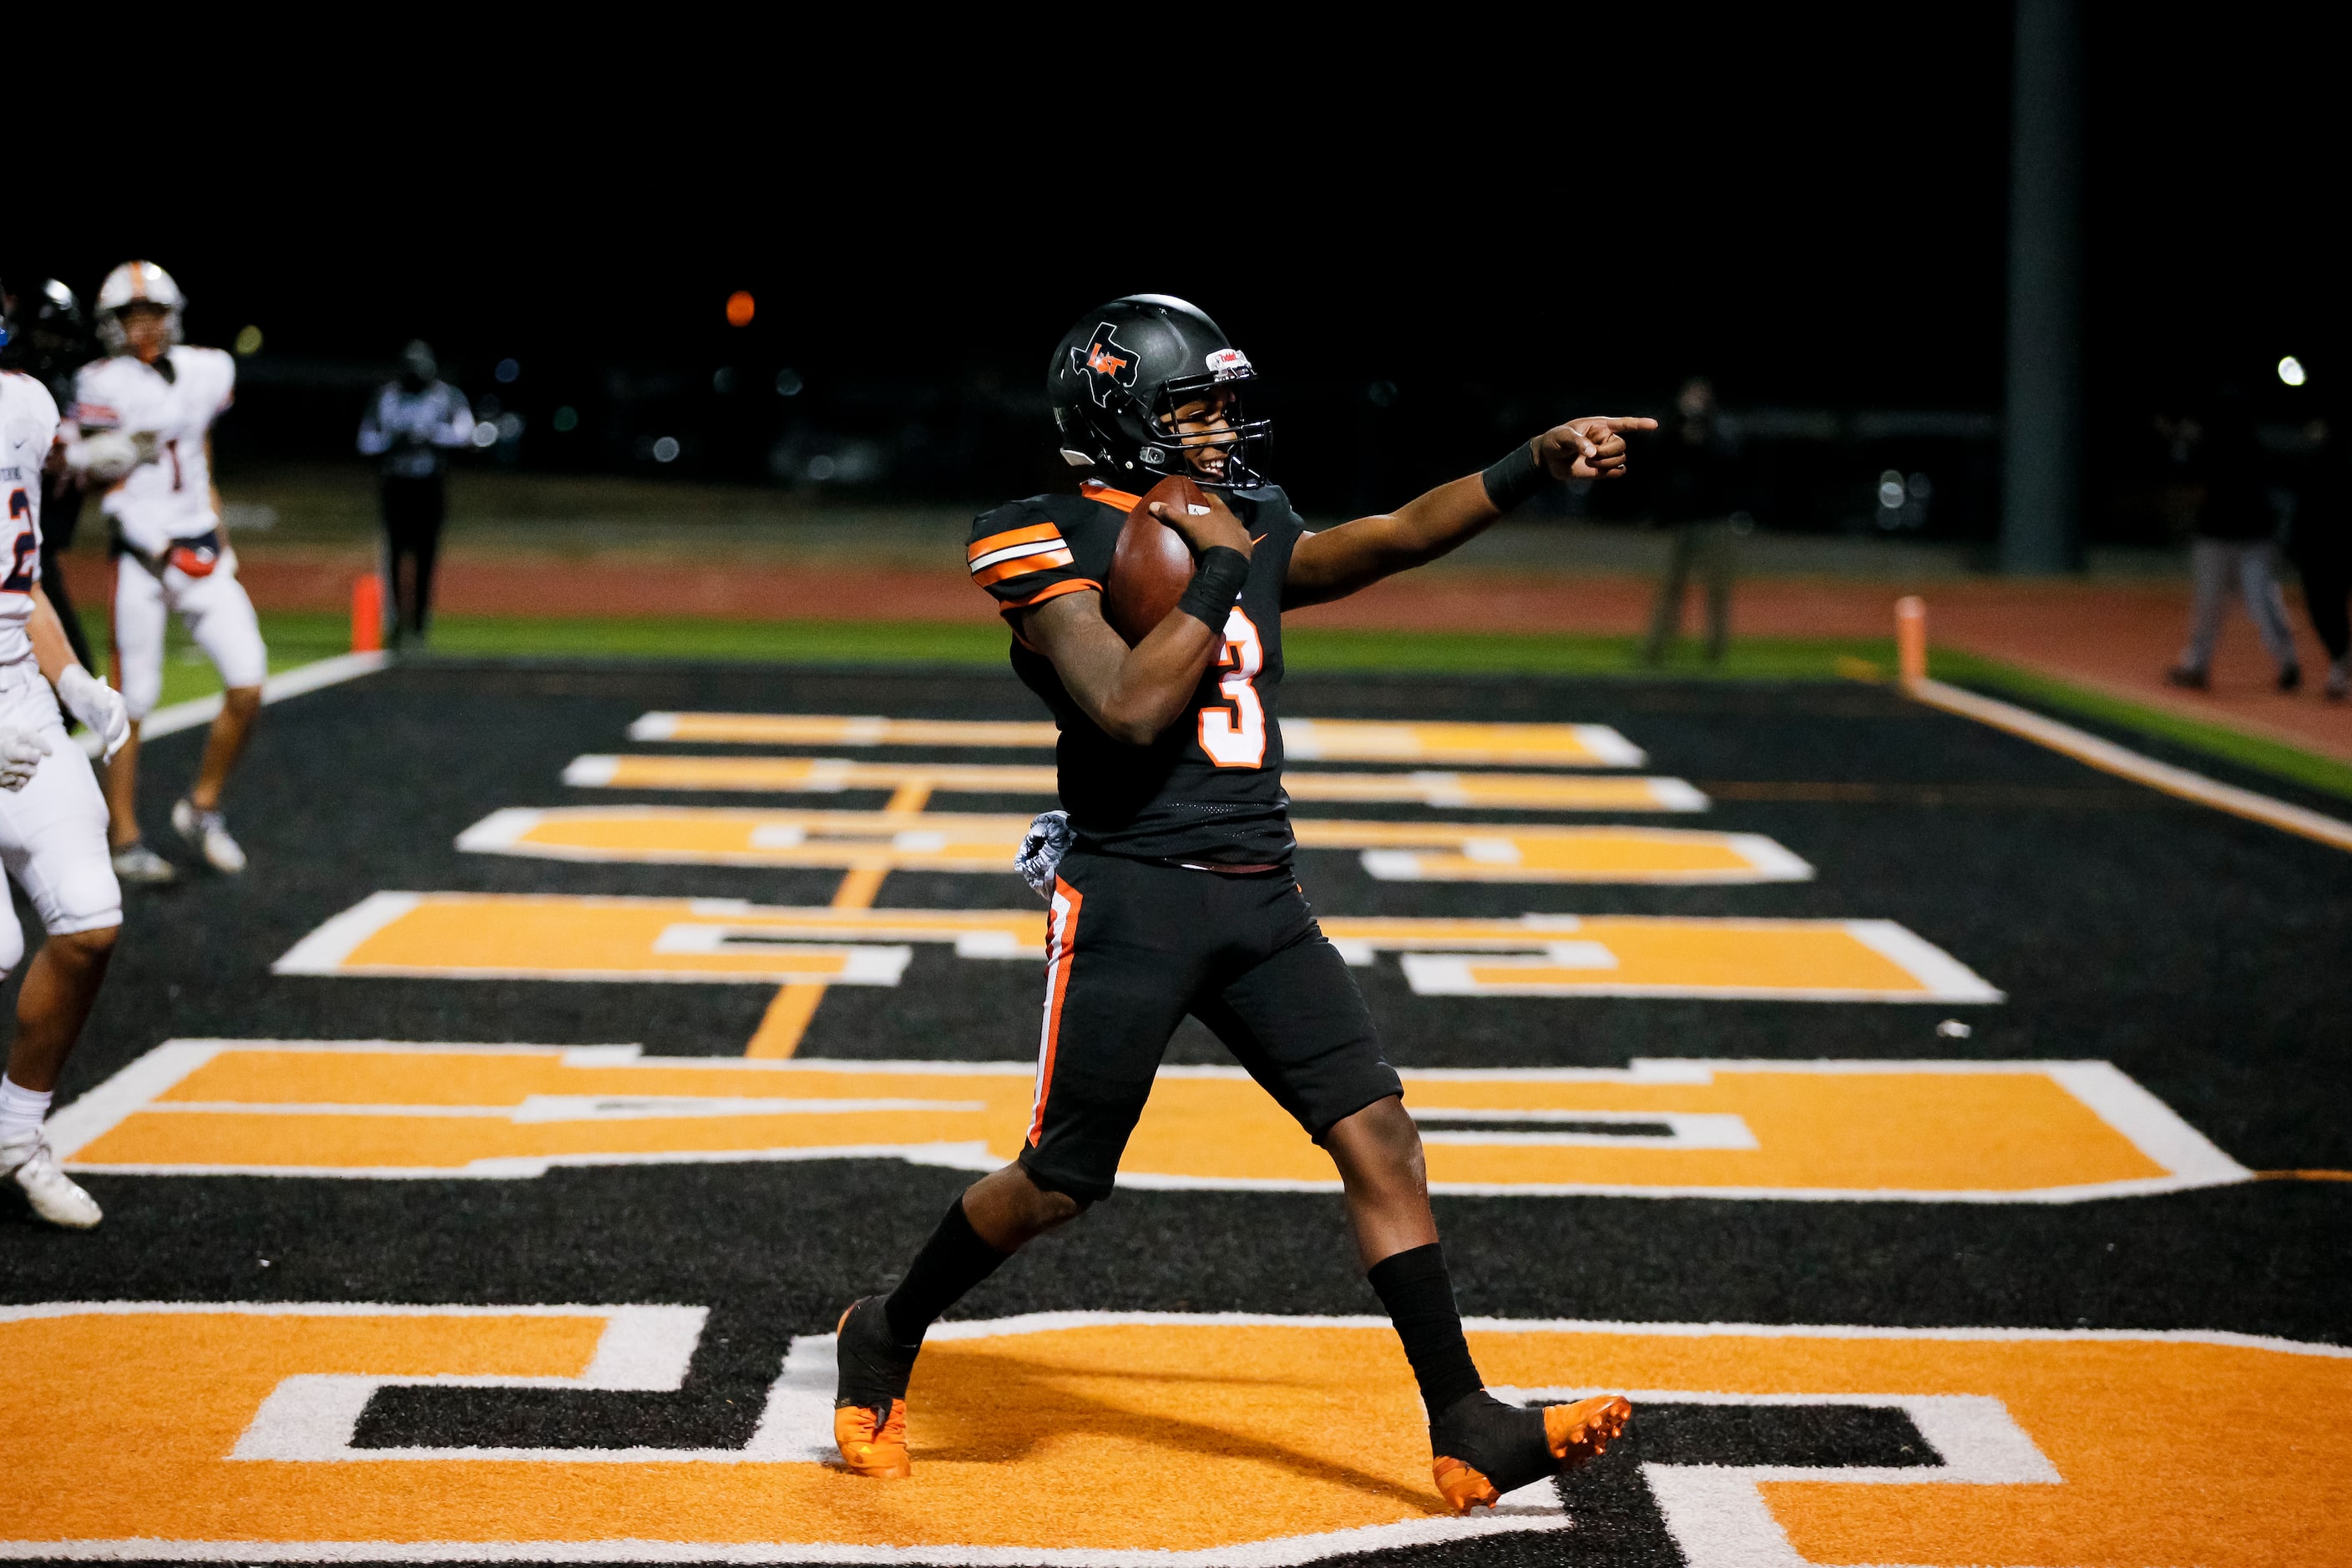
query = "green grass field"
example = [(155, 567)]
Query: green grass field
[(297, 638)]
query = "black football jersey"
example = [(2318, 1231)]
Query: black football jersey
[(1209, 790)]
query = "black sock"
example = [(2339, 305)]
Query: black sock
[(951, 1262), (1419, 1294)]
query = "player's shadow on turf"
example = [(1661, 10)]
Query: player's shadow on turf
[(997, 1408)]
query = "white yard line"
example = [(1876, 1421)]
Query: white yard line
[(293, 682), (2109, 757)]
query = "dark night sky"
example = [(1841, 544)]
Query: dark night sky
[(1813, 211)]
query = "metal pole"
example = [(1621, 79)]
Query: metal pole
[(2041, 434)]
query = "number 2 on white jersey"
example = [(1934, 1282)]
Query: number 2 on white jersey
[(1237, 738)]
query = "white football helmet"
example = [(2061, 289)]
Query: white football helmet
[(136, 283)]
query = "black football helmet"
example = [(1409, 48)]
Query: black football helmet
[(44, 331), (1120, 374)]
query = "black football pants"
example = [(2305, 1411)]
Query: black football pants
[(413, 513), (1134, 945), (2327, 587)]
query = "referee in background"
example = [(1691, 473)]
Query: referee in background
[(1697, 498), (412, 424)]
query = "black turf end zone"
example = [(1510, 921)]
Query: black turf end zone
[(2202, 954)]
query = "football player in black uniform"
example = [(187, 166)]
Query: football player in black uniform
[(1175, 893)]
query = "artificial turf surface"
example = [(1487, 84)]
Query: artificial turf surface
[(2200, 953)]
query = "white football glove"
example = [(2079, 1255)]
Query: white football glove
[(98, 705), (21, 752), (110, 454)]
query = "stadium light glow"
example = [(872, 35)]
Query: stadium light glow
[(2290, 371), (665, 450), (248, 340), (739, 307), (508, 368)]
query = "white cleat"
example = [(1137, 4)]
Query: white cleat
[(52, 1193), (207, 834), (138, 864)]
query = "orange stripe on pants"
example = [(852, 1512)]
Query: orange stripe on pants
[(1067, 903)]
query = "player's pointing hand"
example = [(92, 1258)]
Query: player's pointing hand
[(1589, 448)]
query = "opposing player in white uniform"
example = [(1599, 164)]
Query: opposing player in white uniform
[(52, 818), (146, 413)]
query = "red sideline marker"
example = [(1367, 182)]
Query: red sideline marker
[(367, 613), (1911, 638)]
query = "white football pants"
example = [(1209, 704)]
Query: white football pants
[(214, 608), (53, 831)]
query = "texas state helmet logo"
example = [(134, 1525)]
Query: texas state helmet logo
[(1107, 366)]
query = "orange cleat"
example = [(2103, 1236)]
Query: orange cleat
[(1463, 1487), (867, 1450), (1575, 1435), (1580, 1433), (870, 1402)]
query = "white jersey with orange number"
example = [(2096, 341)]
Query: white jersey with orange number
[(170, 498), (29, 425)]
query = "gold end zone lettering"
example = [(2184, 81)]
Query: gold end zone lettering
[(950, 841), (1304, 740), (1950, 1132), (462, 936), (171, 1432), (1442, 789)]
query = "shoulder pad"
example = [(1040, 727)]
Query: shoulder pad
[(1012, 514), (1119, 500), (1026, 552), (28, 390)]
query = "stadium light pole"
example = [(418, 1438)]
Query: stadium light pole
[(2042, 430)]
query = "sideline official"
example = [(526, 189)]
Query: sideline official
[(411, 424), (2236, 541), (1697, 500)]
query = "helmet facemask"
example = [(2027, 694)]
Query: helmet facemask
[(117, 341), (1225, 450), (1222, 449)]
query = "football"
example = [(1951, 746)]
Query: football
[(1151, 565)]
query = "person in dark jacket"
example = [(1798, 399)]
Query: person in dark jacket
[(411, 424), (1697, 500), (2236, 538), (2322, 553)]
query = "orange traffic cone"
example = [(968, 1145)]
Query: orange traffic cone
[(1911, 638), (367, 613)]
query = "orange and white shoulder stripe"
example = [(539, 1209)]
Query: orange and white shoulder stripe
[(1122, 501), (1016, 553)]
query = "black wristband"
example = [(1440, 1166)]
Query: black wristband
[(1217, 579), (1515, 478)]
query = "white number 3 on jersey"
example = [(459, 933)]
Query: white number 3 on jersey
[(1237, 739)]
